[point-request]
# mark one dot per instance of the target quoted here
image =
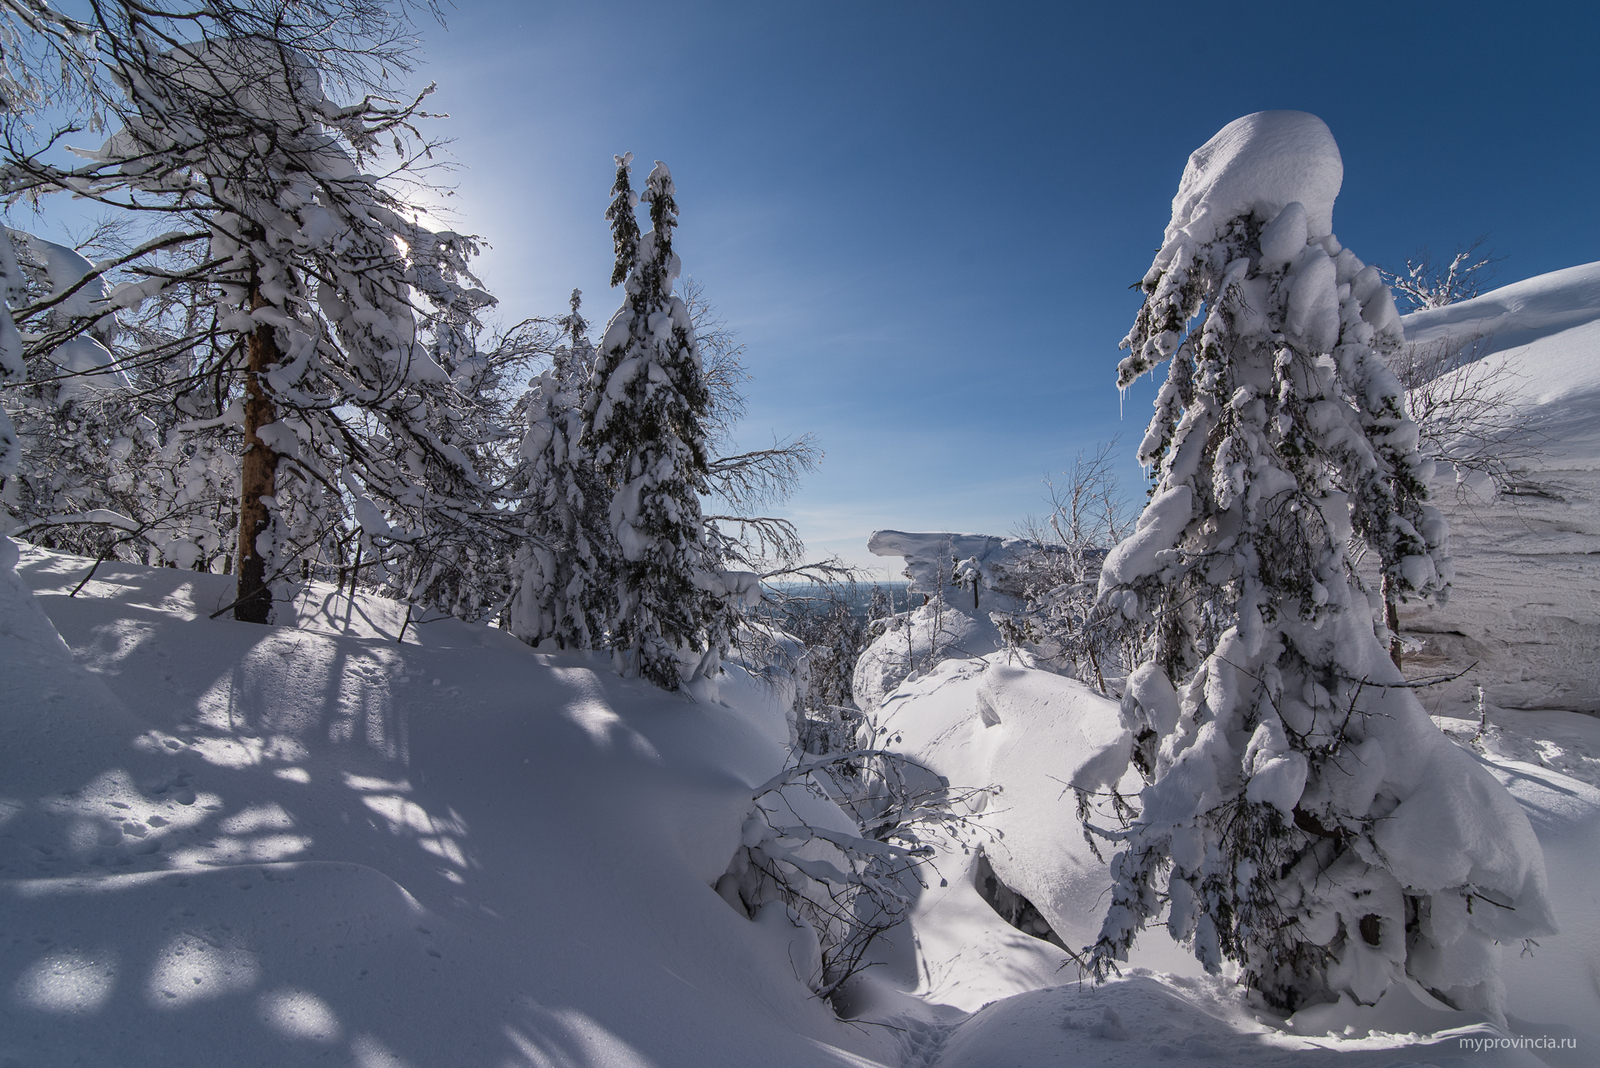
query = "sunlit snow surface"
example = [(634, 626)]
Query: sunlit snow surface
[(292, 845), (1526, 604)]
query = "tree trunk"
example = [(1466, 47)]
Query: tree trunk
[(1391, 620), (257, 474)]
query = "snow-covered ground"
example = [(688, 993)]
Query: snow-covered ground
[(225, 843), (310, 843), (1525, 607)]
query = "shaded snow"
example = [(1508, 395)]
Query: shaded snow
[(289, 845)]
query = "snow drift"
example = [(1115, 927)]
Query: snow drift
[(290, 844)]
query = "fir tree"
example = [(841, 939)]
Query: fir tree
[(1304, 818), (644, 420), (560, 567)]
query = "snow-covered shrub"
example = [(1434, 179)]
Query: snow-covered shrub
[(1304, 817), (1427, 284), (831, 847), (1057, 576)]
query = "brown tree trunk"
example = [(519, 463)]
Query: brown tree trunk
[(1391, 619), (257, 474)]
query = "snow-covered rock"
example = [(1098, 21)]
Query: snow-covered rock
[(947, 618)]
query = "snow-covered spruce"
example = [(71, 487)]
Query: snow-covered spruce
[(829, 850), (1304, 818), (671, 616), (13, 290), (560, 567)]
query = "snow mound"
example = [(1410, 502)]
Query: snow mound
[(1015, 742), (1545, 332), (306, 847), (914, 643), (1028, 737), (1259, 164)]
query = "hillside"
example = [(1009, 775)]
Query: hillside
[(292, 844), (1525, 607)]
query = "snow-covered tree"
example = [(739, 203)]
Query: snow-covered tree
[(461, 563), (1056, 579), (670, 617), (1303, 817), (561, 565), (68, 405), (310, 266)]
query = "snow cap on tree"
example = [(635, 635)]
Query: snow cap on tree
[(1258, 165), (1308, 820)]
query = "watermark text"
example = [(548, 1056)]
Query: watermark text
[(1480, 1044)]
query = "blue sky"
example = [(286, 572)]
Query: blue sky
[(923, 218)]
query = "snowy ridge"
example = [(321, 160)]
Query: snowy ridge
[(1515, 314)]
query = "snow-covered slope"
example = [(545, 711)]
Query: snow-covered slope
[(1526, 600), (312, 844), (226, 843)]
